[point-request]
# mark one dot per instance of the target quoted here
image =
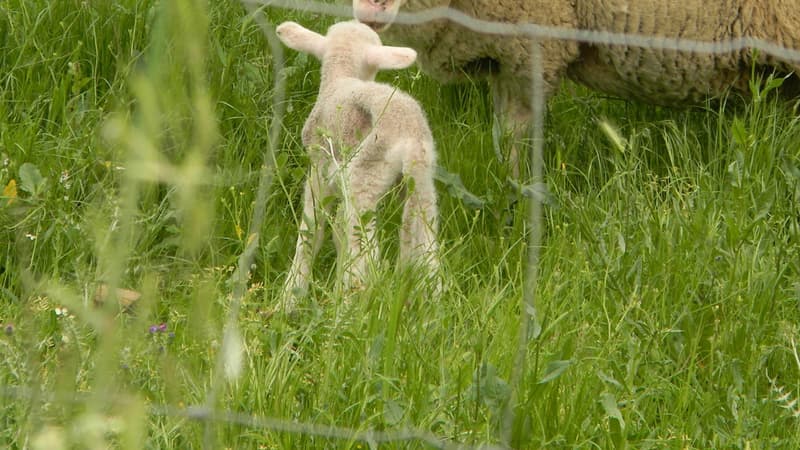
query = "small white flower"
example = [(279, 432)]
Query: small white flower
[(64, 179), (30, 236)]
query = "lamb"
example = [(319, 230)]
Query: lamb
[(361, 137), (451, 52)]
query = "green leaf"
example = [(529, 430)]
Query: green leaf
[(609, 403), (31, 180), (393, 412), (456, 188), (539, 191), (772, 83), (554, 370), (535, 327), (739, 131), (608, 379), (488, 388)]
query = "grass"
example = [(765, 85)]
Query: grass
[(132, 135)]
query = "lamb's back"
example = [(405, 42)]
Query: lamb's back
[(352, 110)]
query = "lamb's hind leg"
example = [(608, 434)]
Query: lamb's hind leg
[(418, 242), (366, 184), (311, 232)]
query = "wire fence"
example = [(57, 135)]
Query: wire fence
[(209, 415), (529, 326), (549, 32)]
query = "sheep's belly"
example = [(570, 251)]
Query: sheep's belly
[(655, 75), (658, 76)]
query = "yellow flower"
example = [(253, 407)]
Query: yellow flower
[(10, 191)]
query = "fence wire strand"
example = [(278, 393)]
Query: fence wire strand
[(549, 32), (203, 414)]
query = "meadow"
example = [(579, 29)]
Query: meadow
[(135, 159)]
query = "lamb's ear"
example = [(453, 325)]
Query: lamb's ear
[(388, 57), (298, 37)]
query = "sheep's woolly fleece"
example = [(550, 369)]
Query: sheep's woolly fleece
[(450, 52)]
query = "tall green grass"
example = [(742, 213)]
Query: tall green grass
[(132, 138)]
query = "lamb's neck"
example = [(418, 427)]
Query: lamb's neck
[(332, 82), (339, 66), (331, 77)]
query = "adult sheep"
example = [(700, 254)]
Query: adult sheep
[(450, 52)]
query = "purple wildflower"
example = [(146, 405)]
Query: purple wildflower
[(153, 329), (9, 329), (162, 328)]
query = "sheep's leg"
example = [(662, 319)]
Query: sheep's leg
[(512, 117), (310, 235), (366, 185), (418, 242)]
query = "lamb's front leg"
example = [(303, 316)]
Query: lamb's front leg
[(309, 237)]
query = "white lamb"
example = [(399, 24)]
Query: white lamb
[(362, 136)]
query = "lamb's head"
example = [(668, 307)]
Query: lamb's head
[(349, 49), (380, 14)]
